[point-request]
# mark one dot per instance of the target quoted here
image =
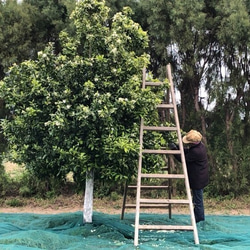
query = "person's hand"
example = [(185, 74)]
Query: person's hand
[(172, 146)]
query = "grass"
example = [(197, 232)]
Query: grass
[(13, 169)]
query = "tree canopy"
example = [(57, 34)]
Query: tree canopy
[(80, 109)]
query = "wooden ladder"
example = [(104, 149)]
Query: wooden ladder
[(167, 187), (143, 202)]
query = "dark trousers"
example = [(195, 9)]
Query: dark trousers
[(198, 205)]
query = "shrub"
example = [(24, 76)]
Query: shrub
[(15, 203)]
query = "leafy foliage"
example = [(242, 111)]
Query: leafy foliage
[(80, 110)]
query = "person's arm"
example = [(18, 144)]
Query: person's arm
[(174, 146)]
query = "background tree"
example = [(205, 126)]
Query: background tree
[(232, 97), (15, 27), (48, 19), (15, 40), (26, 28), (177, 32), (202, 41), (155, 18)]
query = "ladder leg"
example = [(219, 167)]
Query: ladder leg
[(124, 200), (169, 189), (196, 237), (183, 161), (191, 208), (138, 190), (137, 212)]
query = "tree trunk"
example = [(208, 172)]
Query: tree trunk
[(198, 110), (88, 197)]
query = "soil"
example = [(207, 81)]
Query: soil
[(74, 203), (61, 204)]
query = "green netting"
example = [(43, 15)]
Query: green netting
[(66, 231)]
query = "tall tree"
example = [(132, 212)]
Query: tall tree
[(232, 93), (79, 110), (181, 32), (49, 17), (27, 27), (15, 34), (193, 49), (234, 37), (155, 18), (207, 43)]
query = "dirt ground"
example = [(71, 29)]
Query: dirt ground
[(62, 204), (70, 204), (74, 203)]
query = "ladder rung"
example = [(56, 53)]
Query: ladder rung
[(164, 201), (166, 106), (153, 83), (148, 205), (161, 128), (166, 227), (161, 151), (165, 169), (167, 176), (149, 187)]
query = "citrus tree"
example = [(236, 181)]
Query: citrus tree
[(79, 110)]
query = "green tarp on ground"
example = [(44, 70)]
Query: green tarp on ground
[(66, 231)]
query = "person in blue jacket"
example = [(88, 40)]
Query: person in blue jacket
[(197, 168)]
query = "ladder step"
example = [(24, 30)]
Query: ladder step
[(165, 227), (149, 187), (153, 83), (166, 106), (165, 169), (167, 176), (164, 201), (148, 205), (161, 128), (161, 151)]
